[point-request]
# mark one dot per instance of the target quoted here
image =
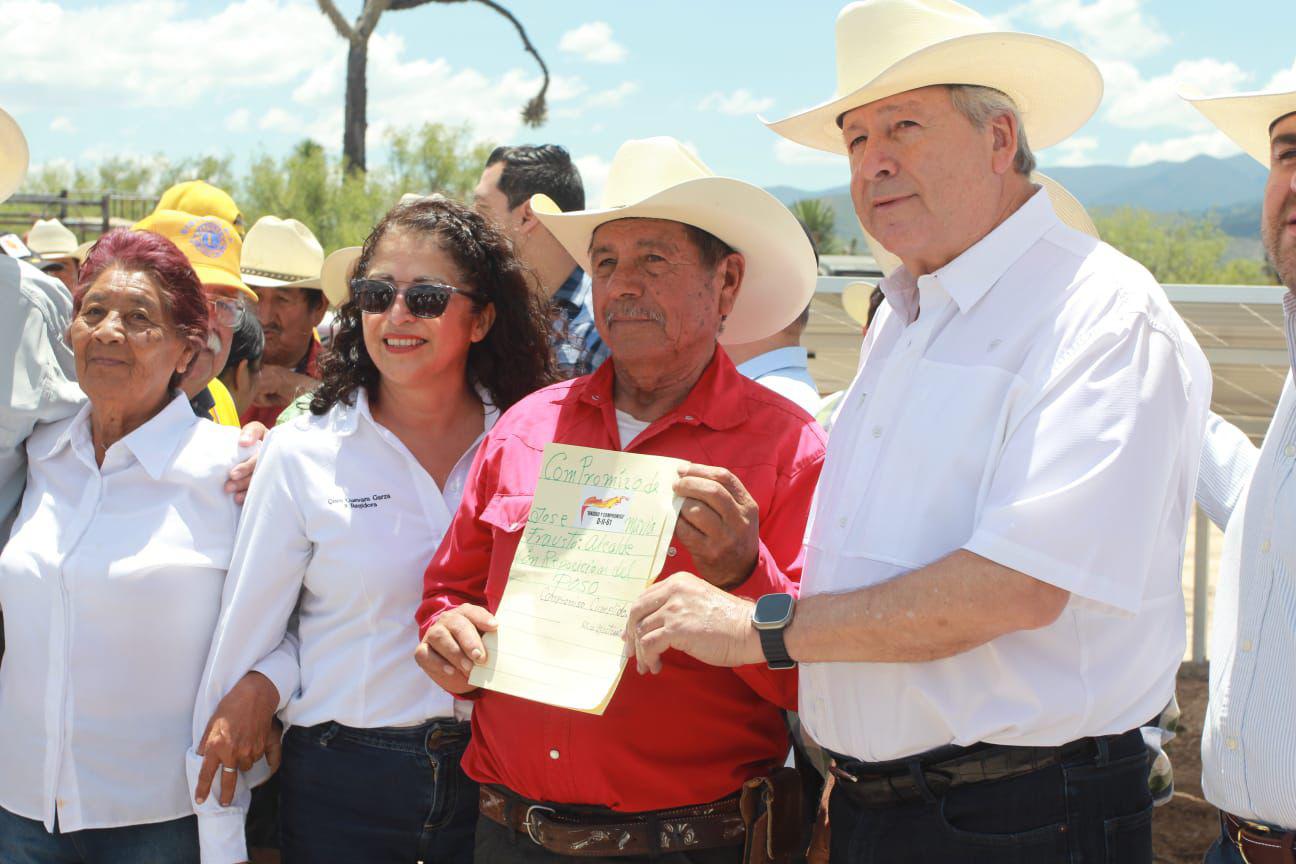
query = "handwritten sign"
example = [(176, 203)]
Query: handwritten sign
[(596, 537)]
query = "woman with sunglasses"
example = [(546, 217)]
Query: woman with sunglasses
[(437, 333)]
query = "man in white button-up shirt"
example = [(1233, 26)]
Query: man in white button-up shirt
[(992, 602), (1248, 758)]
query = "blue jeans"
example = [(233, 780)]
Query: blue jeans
[(25, 841), (1093, 809), (376, 795)]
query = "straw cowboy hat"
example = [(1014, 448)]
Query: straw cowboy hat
[(13, 155), (885, 47), (855, 296), (1247, 118), (281, 253), (657, 178), (51, 239)]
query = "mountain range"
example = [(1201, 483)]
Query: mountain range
[(1230, 190)]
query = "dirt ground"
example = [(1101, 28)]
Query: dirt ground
[(1183, 830)]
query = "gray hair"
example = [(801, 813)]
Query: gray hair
[(980, 105)]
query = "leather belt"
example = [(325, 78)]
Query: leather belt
[(609, 835), (904, 781), (1260, 844)]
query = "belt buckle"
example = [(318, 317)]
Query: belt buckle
[(530, 824)]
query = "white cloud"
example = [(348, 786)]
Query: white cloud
[(1073, 152), (1135, 102), (1181, 149), (612, 98), (593, 42), (239, 120), (176, 61), (62, 124), (1284, 79), (738, 103), (279, 120), (1106, 28), (791, 153), (594, 173)]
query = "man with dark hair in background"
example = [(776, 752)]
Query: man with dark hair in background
[(512, 175)]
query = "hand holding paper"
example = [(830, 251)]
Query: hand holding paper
[(719, 524), (596, 535)]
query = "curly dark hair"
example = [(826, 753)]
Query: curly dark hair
[(515, 357)]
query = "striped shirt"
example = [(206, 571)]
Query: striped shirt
[(1248, 760)]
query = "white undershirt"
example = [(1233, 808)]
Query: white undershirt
[(629, 427)]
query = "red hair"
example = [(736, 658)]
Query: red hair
[(157, 257)]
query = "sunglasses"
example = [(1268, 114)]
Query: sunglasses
[(422, 299), (226, 311)]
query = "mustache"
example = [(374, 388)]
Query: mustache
[(633, 311)]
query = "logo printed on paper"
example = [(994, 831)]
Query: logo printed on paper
[(602, 511), (209, 238)]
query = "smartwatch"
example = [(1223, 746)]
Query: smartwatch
[(772, 615)]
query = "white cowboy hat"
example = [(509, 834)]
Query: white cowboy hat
[(1247, 118), (335, 275), (281, 253), (657, 178), (885, 47), (13, 155), (1067, 207), (51, 239)]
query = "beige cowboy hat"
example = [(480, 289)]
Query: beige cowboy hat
[(658, 178), (13, 155), (281, 253), (1070, 211), (885, 47), (51, 239), (335, 275), (1246, 118)]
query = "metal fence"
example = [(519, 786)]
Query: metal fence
[(86, 214)]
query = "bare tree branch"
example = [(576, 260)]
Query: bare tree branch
[(368, 20), (339, 23), (536, 110)]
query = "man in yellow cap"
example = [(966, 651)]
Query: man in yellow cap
[(212, 246)]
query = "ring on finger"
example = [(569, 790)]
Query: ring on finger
[(229, 770)]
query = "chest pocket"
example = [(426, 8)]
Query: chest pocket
[(507, 514)]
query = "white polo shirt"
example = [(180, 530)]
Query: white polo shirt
[(110, 586), (1045, 411), (340, 524)]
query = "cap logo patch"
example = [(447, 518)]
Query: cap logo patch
[(209, 238)]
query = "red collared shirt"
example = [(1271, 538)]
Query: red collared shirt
[(693, 733)]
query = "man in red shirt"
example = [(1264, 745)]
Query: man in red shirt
[(680, 260)]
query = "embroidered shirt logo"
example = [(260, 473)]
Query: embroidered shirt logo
[(360, 503)]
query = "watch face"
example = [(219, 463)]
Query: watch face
[(773, 609)]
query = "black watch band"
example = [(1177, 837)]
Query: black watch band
[(772, 615), (776, 655)]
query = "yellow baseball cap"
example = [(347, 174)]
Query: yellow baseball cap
[(211, 244), (202, 199)]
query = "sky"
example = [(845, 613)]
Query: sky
[(89, 79)]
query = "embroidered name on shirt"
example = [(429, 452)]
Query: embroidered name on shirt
[(360, 503)]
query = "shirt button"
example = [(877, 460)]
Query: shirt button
[(688, 417), (596, 397), (1232, 743), (1264, 547), (841, 523), (553, 754), (670, 553), (1290, 450), (877, 431), (1247, 645)]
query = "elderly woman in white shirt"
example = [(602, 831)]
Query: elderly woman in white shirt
[(437, 333), (111, 582)]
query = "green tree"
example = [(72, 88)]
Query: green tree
[(436, 158), (820, 220), (1178, 249)]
